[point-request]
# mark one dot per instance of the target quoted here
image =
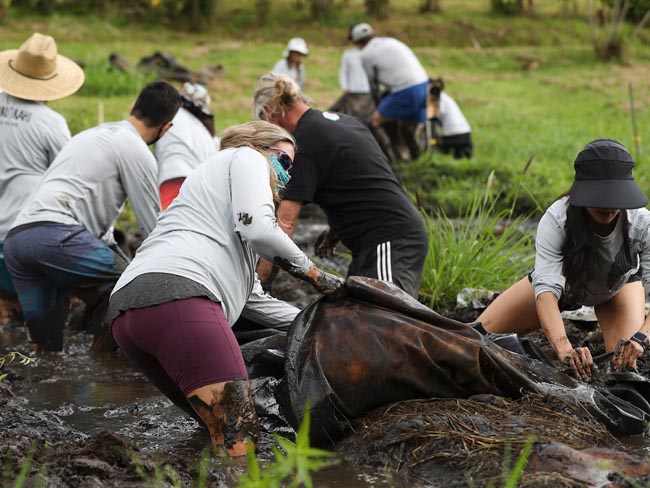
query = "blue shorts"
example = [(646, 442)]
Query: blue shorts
[(409, 104), (6, 283)]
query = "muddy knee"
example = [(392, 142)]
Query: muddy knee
[(229, 413)]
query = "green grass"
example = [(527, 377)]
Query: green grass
[(485, 249), (529, 85), (550, 112)]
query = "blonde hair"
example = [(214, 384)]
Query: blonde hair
[(278, 92), (256, 134)]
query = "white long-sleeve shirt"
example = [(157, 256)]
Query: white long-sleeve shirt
[(214, 231), (31, 136), (614, 265), (92, 177), (352, 76), (392, 63), (186, 145), (451, 117), (298, 75)]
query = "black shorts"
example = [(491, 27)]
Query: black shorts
[(399, 261), (460, 146)]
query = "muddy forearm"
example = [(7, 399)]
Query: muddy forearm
[(552, 324)]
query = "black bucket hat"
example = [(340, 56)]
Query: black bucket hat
[(604, 177)]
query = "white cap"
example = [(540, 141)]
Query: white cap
[(360, 31), (297, 44)]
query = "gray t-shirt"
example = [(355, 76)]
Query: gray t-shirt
[(31, 135), (614, 263), (392, 63), (186, 145), (213, 233), (92, 177)]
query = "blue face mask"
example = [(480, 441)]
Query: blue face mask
[(283, 175)]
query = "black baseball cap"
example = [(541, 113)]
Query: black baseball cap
[(604, 177)]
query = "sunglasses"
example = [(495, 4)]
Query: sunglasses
[(283, 157)]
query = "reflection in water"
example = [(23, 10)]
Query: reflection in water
[(92, 393)]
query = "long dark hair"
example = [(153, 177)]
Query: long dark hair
[(579, 251)]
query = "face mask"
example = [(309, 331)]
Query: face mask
[(283, 176)]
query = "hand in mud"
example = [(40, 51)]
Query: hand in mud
[(580, 361), (626, 354), (325, 245), (328, 284)]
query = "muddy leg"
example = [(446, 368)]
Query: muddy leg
[(229, 413), (413, 138)]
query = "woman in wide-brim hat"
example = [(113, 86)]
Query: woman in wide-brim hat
[(38, 72), (593, 249), (291, 63)]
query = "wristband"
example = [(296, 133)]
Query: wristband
[(641, 339)]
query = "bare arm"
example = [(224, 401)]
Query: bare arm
[(287, 217), (550, 318)]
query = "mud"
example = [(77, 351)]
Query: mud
[(92, 421)]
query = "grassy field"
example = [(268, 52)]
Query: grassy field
[(531, 86), (549, 112)]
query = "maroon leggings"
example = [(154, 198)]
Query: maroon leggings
[(181, 345)]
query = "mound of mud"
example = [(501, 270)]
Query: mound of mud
[(467, 442)]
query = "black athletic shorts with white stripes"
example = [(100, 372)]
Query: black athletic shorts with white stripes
[(399, 261)]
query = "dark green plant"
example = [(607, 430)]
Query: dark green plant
[(506, 7), (513, 473), (322, 9), (484, 248), (290, 468), (10, 357), (377, 8)]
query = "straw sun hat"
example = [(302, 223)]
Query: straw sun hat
[(37, 72)]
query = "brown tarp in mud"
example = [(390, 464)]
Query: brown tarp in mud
[(377, 345)]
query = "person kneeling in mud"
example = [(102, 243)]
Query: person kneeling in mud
[(194, 276), (592, 249)]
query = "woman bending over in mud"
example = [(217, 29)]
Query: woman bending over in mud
[(592, 248), (192, 278)]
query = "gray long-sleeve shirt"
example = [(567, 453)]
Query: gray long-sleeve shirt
[(614, 265), (92, 177), (31, 135), (213, 232)]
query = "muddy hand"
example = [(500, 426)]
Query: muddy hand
[(580, 361), (626, 354), (325, 245), (328, 284)]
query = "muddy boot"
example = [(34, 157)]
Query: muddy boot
[(227, 409)]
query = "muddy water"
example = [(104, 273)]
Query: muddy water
[(102, 392)]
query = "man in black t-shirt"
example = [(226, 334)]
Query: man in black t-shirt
[(340, 167)]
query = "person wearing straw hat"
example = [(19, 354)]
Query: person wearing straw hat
[(593, 249), (189, 142), (54, 247), (31, 134), (291, 63)]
